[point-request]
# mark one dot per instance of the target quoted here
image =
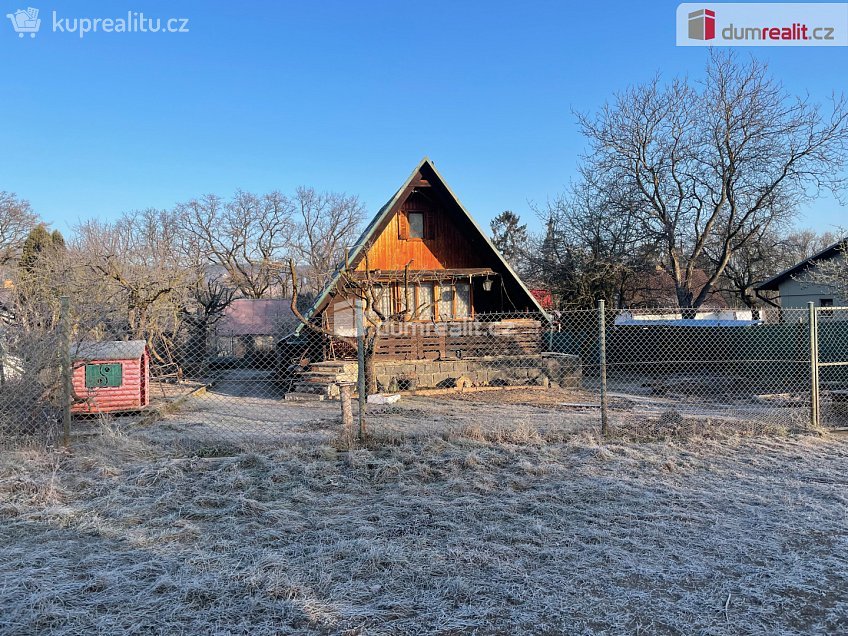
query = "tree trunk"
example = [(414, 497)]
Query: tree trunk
[(748, 297), (370, 368), (684, 301)]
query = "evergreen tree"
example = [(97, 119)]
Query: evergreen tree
[(509, 235), (58, 240), (38, 243)]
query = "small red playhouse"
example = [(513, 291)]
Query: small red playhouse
[(111, 376)]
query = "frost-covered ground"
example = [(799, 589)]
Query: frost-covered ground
[(506, 530)]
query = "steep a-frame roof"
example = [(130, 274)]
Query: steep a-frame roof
[(379, 222)]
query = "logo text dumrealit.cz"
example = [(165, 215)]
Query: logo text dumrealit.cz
[(762, 24), (796, 31)]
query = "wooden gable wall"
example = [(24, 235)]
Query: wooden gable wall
[(452, 242), (449, 241)]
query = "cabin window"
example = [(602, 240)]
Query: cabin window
[(416, 302), (462, 305), (445, 302), (826, 302), (383, 300), (425, 301), (416, 225), (454, 301)]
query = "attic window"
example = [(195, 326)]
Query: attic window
[(416, 225)]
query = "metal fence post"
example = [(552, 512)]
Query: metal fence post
[(65, 364), (814, 365), (602, 354), (360, 358)]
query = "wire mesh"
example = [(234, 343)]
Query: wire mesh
[(670, 372), (275, 381), (832, 347), (30, 409)]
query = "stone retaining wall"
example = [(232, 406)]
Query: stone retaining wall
[(547, 369)]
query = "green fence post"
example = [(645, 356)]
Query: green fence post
[(814, 365), (602, 353)]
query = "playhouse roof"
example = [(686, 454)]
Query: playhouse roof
[(110, 350)]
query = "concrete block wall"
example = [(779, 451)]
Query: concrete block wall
[(560, 370)]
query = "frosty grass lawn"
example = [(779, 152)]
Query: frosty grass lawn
[(514, 533)]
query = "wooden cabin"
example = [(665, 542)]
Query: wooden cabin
[(111, 376), (441, 289)]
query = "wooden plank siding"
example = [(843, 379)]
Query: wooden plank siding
[(448, 247), (461, 340)]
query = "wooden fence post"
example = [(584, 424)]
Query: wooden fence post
[(360, 358), (345, 392)]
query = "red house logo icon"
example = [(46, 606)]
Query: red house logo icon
[(702, 25)]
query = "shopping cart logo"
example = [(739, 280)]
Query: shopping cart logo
[(25, 21)]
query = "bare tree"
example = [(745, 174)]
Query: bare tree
[(208, 292), (832, 272), (802, 244), (327, 223), (136, 277), (716, 164), (16, 221), (372, 290), (248, 237), (30, 336), (592, 245)]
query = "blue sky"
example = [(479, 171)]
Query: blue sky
[(338, 95)]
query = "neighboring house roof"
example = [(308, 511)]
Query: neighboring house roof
[(254, 317), (109, 350), (378, 222), (544, 297), (831, 251)]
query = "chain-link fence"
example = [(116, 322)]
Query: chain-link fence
[(31, 408), (626, 372), (672, 371)]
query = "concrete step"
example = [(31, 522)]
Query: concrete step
[(298, 396), (317, 376), (325, 376), (332, 366), (320, 378), (312, 387)]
